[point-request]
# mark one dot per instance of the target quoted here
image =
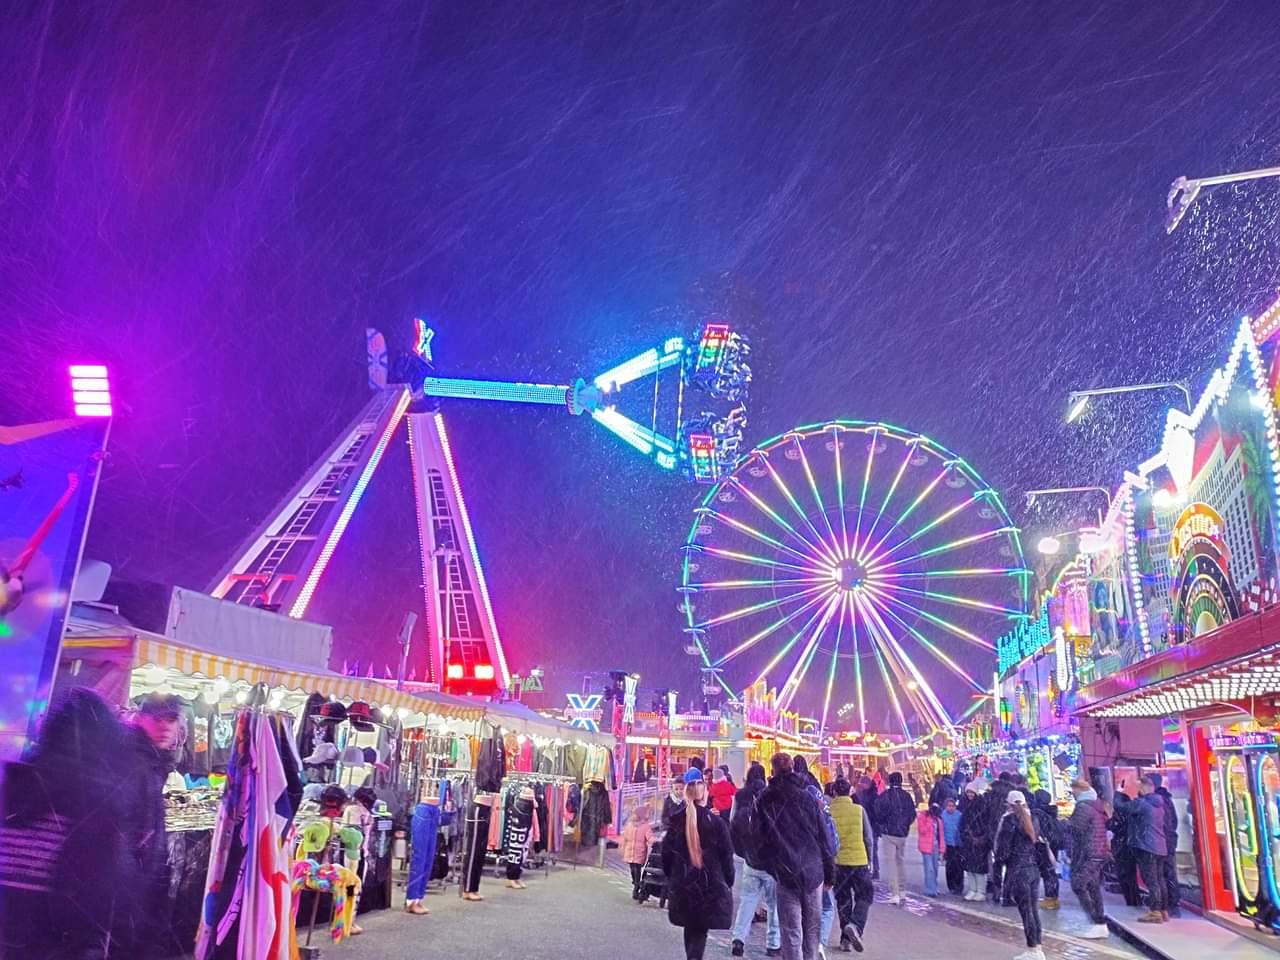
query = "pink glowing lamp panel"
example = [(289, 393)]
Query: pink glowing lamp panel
[(90, 390)]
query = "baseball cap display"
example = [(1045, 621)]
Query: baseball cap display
[(333, 712), (323, 753), (360, 715), (353, 756)]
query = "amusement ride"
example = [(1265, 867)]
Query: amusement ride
[(691, 418), (865, 556)]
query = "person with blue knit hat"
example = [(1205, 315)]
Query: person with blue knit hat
[(697, 858)]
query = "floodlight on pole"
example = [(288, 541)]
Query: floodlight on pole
[(1078, 400), (1184, 191)]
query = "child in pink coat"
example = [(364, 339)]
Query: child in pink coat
[(932, 842), (635, 845)]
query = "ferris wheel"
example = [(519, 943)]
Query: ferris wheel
[(866, 557)]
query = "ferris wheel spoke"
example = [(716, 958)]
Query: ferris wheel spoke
[(931, 525), (884, 504), (764, 605), (756, 561), (857, 665), (925, 642), (957, 573), (926, 701), (815, 550), (840, 492), (942, 548), (834, 542), (866, 482), (884, 673), (835, 659), (755, 534), (820, 544), (893, 598), (752, 584), (795, 638), (957, 601), (911, 508), (768, 631), (802, 665)]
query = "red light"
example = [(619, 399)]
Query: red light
[(484, 671), (455, 671)]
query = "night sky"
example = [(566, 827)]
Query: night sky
[(937, 214)]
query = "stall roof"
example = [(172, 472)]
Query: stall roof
[(522, 719), (155, 649)]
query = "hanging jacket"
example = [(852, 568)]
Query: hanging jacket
[(853, 832), (793, 843), (894, 812), (930, 836), (597, 813), (1088, 827), (742, 823), (699, 897), (491, 765)]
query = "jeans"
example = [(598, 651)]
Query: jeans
[(955, 871), (754, 886), (1172, 893), (800, 917), (930, 861), (1152, 869), (695, 942), (1086, 882), (423, 831), (897, 848), (828, 916), (854, 893), (1023, 883)]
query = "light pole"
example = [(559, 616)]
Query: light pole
[(1184, 190), (1079, 399), (1031, 496)]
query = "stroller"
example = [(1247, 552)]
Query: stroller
[(653, 882)]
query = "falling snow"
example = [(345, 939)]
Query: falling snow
[(938, 215)]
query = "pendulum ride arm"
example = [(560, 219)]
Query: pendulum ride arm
[(280, 565)]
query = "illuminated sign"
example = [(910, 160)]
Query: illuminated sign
[(711, 348), (629, 700), (584, 711), (1198, 520), (1024, 640), (1242, 740)]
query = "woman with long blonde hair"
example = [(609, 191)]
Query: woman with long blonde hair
[(697, 857), (1016, 842)]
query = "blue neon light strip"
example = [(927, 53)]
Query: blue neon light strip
[(496, 390), (649, 362)]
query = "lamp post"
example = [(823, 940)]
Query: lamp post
[(1079, 399), (1031, 496), (1184, 190)]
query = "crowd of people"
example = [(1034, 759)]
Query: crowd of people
[(808, 853)]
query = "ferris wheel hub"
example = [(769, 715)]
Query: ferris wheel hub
[(849, 574)]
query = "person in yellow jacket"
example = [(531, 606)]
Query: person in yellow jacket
[(854, 890)]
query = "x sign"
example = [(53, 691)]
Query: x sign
[(584, 711)]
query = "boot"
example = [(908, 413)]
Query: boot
[(1049, 903), (1154, 916), (739, 948)]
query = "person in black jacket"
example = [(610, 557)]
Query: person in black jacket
[(1045, 813), (895, 812), (756, 883), (1089, 855), (1172, 895), (1016, 852), (865, 797), (975, 838), (697, 858), (793, 845)]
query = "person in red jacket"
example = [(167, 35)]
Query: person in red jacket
[(721, 792)]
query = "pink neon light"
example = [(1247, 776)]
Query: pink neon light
[(90, 391), (348, 508), (475, 555), (89, 383), (93, 410), (87, 370), (91, 396)]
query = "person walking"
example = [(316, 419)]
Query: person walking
[(635, 846), (894, 814), (721, 792), (931, 841), (756, 883), (697, 858), (1016, 852), (1045, 812), (975, 838), (854, 892), (865, 797), (793, 845), (1123, 855), (833, 843), (1146, 835), (997, 805), (1172, 893), (1088, 831), (951, 836)]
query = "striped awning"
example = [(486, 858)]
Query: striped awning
[(158, 651)]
